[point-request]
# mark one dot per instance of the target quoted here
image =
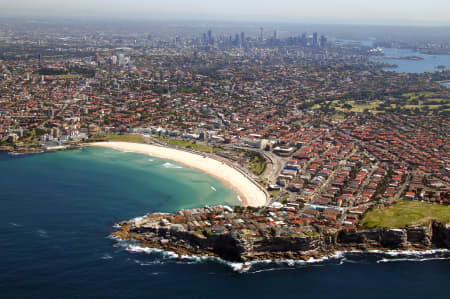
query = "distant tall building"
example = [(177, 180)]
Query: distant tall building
[(121, 59), (323, 41), (242, 38), (315, 41), (114, 59), (276, 35), (303, 39), (210, 39), (261, 34)]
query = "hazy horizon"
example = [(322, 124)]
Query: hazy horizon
[(381, 12)]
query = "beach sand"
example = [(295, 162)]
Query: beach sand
[(250, 194)]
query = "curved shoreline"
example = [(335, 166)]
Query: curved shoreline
[(250, 193)]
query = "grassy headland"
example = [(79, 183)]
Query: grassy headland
[(188, 144), (117, 137), (405, 213)]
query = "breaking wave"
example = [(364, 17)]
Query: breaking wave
[(170, 165), (338, 258), (412, 259), (106, 256), (164, 256), (412, 255), (42, 233), (15, 224)]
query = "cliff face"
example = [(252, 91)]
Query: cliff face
[(419, 237), (282, 244), (236, 247), (441, 234)]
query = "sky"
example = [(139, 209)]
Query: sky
[(372, 12)]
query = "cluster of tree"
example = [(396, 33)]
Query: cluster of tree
[(76, 70)]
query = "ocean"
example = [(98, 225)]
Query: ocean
[(59, 210)]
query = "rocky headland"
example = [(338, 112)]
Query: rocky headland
[(241, 245)]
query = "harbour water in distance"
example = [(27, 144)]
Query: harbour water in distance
[(428, 64), (60, 208)]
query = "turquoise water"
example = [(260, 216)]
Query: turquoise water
[(58, 210)]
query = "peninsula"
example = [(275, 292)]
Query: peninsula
[(275, 232)]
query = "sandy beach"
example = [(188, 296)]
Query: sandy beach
[(250, 194)]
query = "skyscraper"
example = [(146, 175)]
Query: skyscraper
[(303, 40), (275, 35), (315, 41), (261, 34), (210, 41), (323, 41)]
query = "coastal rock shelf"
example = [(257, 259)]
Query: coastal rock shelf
[(238, 234)]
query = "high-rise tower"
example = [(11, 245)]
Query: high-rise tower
[(315, 41)]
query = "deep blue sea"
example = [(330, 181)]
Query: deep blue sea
[(58, 210)]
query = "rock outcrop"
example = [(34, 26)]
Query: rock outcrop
[(419, 237), (238, 247), (441, 234)]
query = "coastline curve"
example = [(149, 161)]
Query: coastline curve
[(249, 192)]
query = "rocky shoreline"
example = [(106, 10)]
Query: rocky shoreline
[(236, 247), (23, 151)]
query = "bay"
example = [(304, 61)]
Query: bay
[(59, 209)]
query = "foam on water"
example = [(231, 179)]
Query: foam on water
[(138, 219), (412, 259), (106, 256), (172, 166), (148, 263), (395, 253), (42, 233), (235, 266), (15, 224), (340, 257)]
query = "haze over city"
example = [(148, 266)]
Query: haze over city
[(382, 12), (224, 149)]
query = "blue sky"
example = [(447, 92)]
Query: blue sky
[(405, 12)]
